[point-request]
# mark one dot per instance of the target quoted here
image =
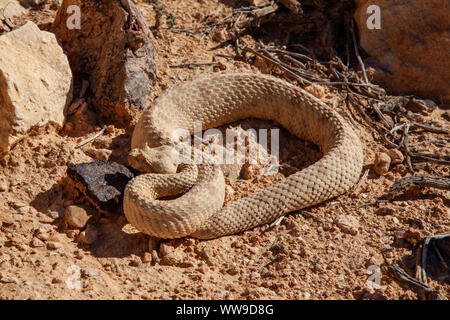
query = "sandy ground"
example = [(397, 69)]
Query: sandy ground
[(307, 256)]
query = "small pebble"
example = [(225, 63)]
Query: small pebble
[(89, 272), (382, 163), (17, 204), (43, 236), (316, 90), (347, 224), (76, 217), (396, 156), (23, 210), (4, 186), (36, 243), (51, 245), (4, 279)]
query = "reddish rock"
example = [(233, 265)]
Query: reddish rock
[(411, 50), (76, 217), (347, 224), (382, 163)]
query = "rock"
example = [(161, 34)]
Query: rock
[(32, 3), (76, 217), (23, 210), (412, 236), (262, 65), (219, 35), (55, 211), (347, 224), (222, 66), (117, 56), (36, 243), (38, 94), (316, 90), (51, 245), (88, 236), (5, 279), (18, 204), (382, 163), (99, 154), (43, 236), (102, 181), (384, 211), (6, 218), (251, 171), (4, 185), (396, 156), (89, 272), (260, 3), (419, 63), (10, 9), (170, 256)]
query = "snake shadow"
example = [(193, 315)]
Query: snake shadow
[(114, 237)]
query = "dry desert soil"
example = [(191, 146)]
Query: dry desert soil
[(328, 251)]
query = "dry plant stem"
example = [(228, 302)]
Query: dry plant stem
[(293, 74), (422, 255), (98, 134), (193, 65), (405, 142), (308, 214), (292, 54), (421, 126), (426, 158), (440, 142), (382, 117), (420, 181), (366, 80), (401, 276), (366, 173), (421, 262), (201, 28)]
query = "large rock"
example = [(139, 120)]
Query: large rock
[(113, 49), (35, 82), (411, 51), (10, 9)]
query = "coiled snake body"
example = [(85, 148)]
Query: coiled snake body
[(217, 100)]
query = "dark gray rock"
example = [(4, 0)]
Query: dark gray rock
[(102, 182)]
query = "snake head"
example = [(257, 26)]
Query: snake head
[(153, 160)]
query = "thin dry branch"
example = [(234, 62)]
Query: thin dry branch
[(420, 181)]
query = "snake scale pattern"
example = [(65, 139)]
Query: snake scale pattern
[(217, 100)]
